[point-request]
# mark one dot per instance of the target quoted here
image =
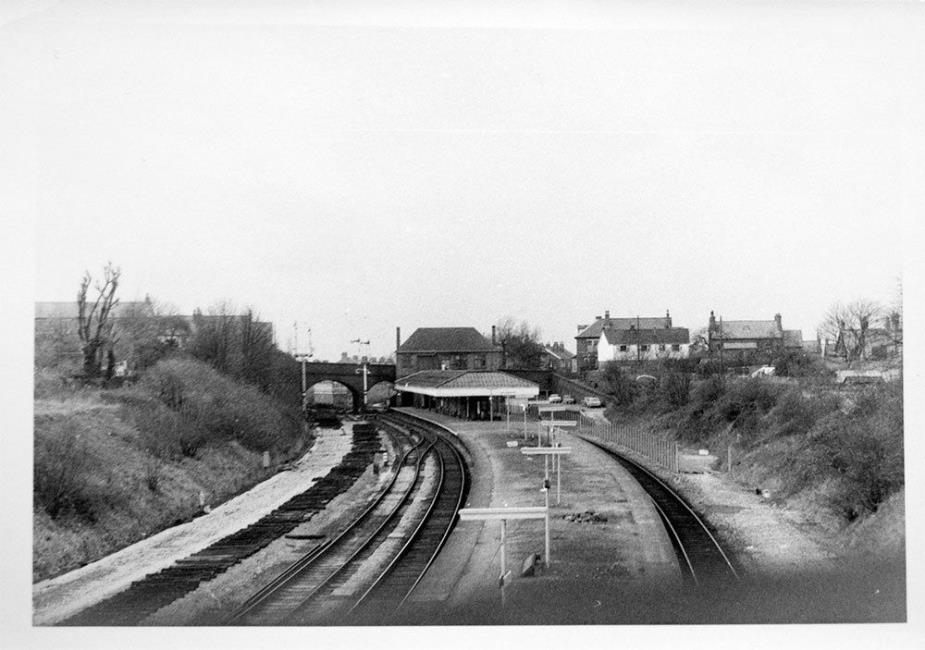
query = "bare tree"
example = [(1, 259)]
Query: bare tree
[(848, 324), (256, 342), (94, 319), (520, 344)]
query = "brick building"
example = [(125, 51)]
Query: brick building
[(445, 348)]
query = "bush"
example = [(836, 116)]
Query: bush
[(621, 387), (675, 388), (62, 467), (211, 407), (860, 452)]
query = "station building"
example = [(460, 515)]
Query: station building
[(466, 394)]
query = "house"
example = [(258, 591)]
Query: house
[(589, 336), (558, 359), (445, 348), (749, 341), (645, 344)]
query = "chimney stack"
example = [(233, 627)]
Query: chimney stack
[(607, 314), (777, 322), (712, 321), (397, 341), (493, 329)]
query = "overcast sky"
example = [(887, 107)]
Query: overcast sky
[(358, 169)]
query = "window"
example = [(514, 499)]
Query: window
[(622, 348), (479, 361), (644, 348), (676, 347), (661, 347)]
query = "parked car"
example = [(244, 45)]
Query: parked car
[(568, 399), (555, 398), (592, 402)]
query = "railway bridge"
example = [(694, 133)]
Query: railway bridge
[(349, 375)]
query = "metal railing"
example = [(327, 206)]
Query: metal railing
[(658, 450)]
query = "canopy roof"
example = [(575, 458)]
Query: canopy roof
[(466, 383)]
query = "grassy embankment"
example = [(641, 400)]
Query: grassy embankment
[(114, 466), (837, 455)]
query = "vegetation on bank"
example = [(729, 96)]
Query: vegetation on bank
[(798, 436), (112, 466)]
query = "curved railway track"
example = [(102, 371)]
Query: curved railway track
[(700, 556), (403, 530), (392, 589)]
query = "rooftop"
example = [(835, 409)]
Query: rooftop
[(650, 322), (670, 335), (447, 339), (462, 383)]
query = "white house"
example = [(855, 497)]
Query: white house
[(643, 344)]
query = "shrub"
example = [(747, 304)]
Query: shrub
[(618, 384), (62, 467), (860, 452), (211, 407), (675, 388)]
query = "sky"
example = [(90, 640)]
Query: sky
[(356, 168)]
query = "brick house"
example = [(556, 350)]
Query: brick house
[(445, 348)]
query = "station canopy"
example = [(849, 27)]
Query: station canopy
[(466, 383)]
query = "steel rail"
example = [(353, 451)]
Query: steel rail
[(303, 563), (370, 538), (428, 517), (675, 499)]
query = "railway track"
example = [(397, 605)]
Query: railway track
[(392, 589), (369, 570), (145, 596), (700, 556)]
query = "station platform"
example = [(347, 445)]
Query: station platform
[(608, 548)]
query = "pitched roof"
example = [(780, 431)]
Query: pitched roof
[(594, 331), (793, 338), (558, 353), (748, 329), (464, 382), (672, 335), (68, 309), (447, 339)]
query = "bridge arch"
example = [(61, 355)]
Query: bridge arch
[(349, 375)]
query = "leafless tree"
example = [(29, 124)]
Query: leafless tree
[(848, 324), (520, 344), (94, 319), (256, 345)]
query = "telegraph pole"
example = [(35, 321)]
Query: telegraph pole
[(365, 362), (303, 358)]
